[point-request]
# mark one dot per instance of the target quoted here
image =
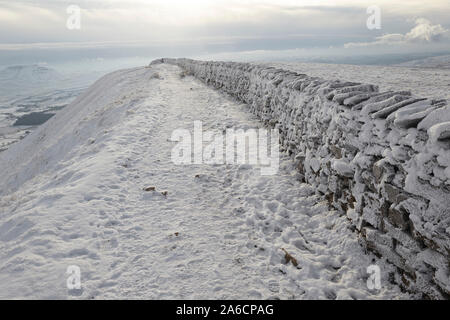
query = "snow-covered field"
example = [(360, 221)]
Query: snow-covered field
[(438, 62), (72, 194), (428, 82)]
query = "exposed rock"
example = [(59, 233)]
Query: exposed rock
[(399, 218), (392, 193), (337, 152)]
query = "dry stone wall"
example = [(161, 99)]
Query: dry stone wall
[(381, 158)]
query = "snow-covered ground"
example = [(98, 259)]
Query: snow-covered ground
[(424, 82), (438, 62), (72, 194)]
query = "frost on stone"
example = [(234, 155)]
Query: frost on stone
[(411, 115), (353, 101), (377, 106), (343, 168), (440, 131), (388, 110), (437, 116)]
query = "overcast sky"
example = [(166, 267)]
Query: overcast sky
[(200, 26)]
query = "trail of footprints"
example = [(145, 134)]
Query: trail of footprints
[(266, 219)]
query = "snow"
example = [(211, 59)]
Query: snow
[(73, 194), (30, 73), (438, 62), (398, 190), (424, 82), (24, 80)]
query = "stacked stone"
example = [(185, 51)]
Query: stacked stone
[(381, 158)]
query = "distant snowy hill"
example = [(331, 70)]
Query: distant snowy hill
[(78, 192), (30, 80), (23, 80), (30, 73), (442, 62)]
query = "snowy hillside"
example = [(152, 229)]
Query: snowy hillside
[(23, 81), (29, 73), (95, 187), (439, 62)]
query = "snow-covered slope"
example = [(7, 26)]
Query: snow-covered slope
[(72, 194), (29, 73), (28, 81), (61, 133)]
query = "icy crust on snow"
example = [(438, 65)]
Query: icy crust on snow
[(383, 158)]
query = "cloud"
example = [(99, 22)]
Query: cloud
[(171, 20), (424, 32), (228, 25)]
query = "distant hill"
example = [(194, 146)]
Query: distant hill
[(23, 81), (31, 74), (442, 62)]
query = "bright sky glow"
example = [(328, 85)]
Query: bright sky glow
[(240, 24)]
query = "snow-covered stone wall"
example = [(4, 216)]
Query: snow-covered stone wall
[(381, 158)]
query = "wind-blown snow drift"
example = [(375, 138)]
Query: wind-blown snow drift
[(383, 158)]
